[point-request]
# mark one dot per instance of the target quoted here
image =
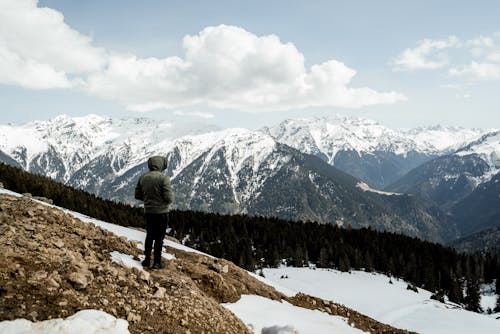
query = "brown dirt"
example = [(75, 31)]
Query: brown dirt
[(54, 265)]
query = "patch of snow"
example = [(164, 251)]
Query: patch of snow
[(82, 322), (8, 192), (128, 261), (262, 314), (366, 187)]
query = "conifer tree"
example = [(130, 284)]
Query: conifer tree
[(455, 293), (473, 297)]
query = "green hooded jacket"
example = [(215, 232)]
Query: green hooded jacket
[(154, 187)]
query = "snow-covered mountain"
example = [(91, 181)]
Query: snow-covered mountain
[(465, 183), (367, 150), (486, 148), (60, 147), (272, 171), (228, 171)]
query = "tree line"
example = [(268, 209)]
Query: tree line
[(254, 242)]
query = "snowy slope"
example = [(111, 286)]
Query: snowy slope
[(284, 318), (441, 139), (488, 149), (373, 295)]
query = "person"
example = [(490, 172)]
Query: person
[(154, 189)]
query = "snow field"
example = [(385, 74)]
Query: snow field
[(260, 313), (373, 295)]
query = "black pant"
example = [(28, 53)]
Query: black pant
[(156, 228)]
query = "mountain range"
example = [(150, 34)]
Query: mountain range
[(321, 169)]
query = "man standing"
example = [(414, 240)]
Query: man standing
[(155, 191)]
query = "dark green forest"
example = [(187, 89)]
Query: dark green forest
[(255, 242)]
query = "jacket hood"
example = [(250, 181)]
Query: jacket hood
[(157, 163)]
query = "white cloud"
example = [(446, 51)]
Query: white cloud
[(464, 96), (199, 114), (429, 54), (222, 67), (494, 56), (481, 53), (481, 41), (28, 73), (229, 67), (477, 71), (38, 50)]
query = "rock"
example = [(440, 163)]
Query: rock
[(28, 195), (219, 268), (33, 315), (144, 276), (132, 317), (160, 292), (39, 275), (44, 199), (58, 243), (3, 217), (53, 283), (29, 227), (80, 280)]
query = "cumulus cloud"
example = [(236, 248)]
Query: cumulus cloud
[(429, 54), (38, 50), (229, 67), (483, 53), (477, 71), (222, 67)]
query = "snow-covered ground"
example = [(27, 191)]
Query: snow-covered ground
[(260, 313), (82, 322), (373, 295)]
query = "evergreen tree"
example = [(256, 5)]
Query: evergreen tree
[(473, 297), (455, 293)]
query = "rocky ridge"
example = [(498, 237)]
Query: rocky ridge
[(54, 265)]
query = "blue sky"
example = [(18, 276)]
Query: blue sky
[(403, 63)]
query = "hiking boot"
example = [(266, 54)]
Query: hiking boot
[(158, 265), (146, 262)]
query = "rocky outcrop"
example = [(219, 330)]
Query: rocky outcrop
[(54, 265)]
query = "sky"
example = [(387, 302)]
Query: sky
[(252, 63)]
